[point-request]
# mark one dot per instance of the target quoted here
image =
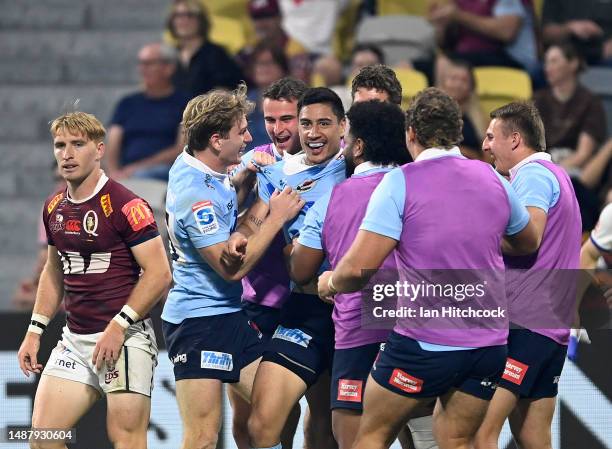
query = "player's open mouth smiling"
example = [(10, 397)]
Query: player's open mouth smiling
[(282, 139), (316, 147)]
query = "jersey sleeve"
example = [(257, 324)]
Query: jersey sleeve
[(202, 218), (385, 211), (519, 217), (312, 228), (135, 221), (602, 234), (265, 188), (536, 186)]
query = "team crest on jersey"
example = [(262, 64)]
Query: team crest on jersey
[(54, 202), (91, 223), (306, 186), (205, 218), (138, 214), (107, 207), (208, 181)]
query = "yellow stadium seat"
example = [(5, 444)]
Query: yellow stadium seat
[(497, 86), (227, 32), (410, 7), (412, 82), (316, 80)]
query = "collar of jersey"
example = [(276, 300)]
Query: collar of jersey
[(201, 166), (539, 156), (434, 153), (294, 164), (367, 166), (99, 186)]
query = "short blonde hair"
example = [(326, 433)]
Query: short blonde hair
[(214, 112), (79, 123)]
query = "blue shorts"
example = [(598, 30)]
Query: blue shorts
[(403, 367), (351, 368), (266, 318), (303, 342), (534, 365), (212, 347)]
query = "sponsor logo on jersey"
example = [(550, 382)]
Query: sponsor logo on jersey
[(138, 214), (306, 186), (350, 390), (179, 358), (405, 381), (91, 222), (208, 181), (54, 202), (216, 360), (107, 207), (292, 335), (205, 218), (230, 205), (73, 226), (556, 379), (110, 376), (70, 364), (515, 371)]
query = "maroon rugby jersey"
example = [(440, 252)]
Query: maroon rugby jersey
[(93, 238)]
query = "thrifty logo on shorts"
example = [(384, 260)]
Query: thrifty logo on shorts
[(405, 381), (216, 360), (292, 335), (350, 390), (515, 371)]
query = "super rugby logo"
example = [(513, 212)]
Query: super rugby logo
[(205, 218)]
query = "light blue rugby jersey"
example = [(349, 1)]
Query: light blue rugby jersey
[(311, 181), (200, 211)]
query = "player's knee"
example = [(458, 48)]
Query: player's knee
[(124, 439), (260, 428), (534, 439), (200, 439)]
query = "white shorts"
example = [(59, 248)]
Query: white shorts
[(133, 372)]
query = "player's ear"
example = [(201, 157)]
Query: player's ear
[(358, 148), (100, 150), (215, 141)]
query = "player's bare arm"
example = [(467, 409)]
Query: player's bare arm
[(304, 263), (245, 179), (368, 252), (528, 240), (153, 282), (48, 298), (283, 207)]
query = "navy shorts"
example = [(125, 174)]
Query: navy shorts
[(534, 365), (266, 318), (351, 368), (212, 347), (403, 367), (303, 342)]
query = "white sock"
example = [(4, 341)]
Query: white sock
[(278, 446)]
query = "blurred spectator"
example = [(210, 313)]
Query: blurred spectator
[(574, 117), (458, 81), (488, 32), (144, 138), (365, 55), (376, 82), (587, 22), (312, 22), (575, 122), (202, 64), (327, 72), (268, 64), (25, 294)]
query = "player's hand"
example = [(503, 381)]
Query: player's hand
[(285, 205), (235, 251), (584, 29), (109, 345), (261, 159), (323, 287), (27, 354)]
